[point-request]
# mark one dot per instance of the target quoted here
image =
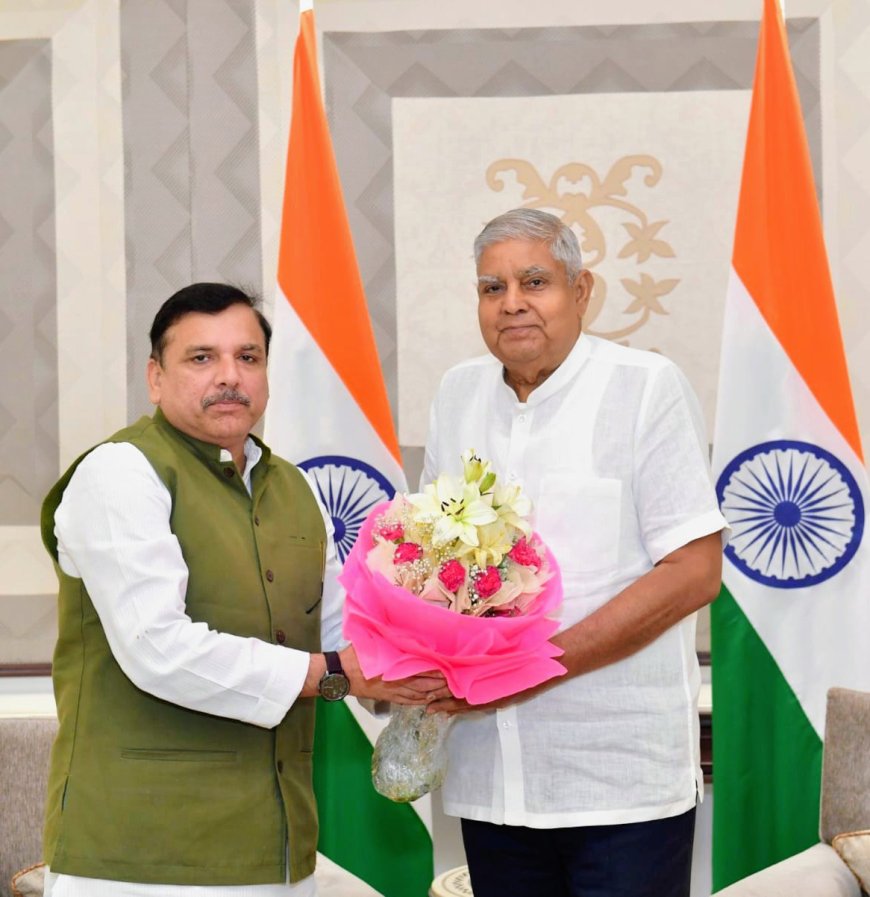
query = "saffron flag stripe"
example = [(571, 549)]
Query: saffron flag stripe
[(795, 604), (778, 235), (317, 269), (330, 415)]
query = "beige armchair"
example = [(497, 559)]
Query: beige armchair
[(845, 807)]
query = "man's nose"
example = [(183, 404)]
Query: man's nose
[(227, 371), (514, 299)]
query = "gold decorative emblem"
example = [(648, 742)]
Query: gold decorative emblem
[(573, 192)]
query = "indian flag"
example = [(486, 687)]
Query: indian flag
[(330, 415), (794, 614)]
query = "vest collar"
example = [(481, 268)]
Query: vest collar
[(255, 450)]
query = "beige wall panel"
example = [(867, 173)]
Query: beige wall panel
[(649, 182), (89, 243)]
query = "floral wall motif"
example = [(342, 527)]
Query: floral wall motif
[(573, 193)]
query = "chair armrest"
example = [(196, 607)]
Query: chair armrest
[(338, 882), (816, 872)]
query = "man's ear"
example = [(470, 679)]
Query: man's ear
[(584, 282), (154, 377)]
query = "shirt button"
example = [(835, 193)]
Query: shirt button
[(229, 473), (522, 418), (512, 475), (280, 637), (270, 576), (280, 766), (506, 724)]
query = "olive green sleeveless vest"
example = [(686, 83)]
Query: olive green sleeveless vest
[(144, 790)]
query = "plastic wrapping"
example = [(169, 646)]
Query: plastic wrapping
[(410, 757)]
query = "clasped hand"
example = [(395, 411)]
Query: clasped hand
[(423, 688)]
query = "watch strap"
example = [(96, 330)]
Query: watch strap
[(333, 662)]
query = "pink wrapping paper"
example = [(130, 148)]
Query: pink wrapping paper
[(396, 634)]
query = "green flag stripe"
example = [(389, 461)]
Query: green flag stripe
[(766, 756), (395, 856)]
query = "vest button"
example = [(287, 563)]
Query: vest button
[(270, 576), (256, 521), (280, 766), (280, 638), (229, 473)]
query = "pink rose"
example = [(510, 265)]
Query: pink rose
[(407, 552), (452, 575), (392, 532), (523, 553), (488, 583)]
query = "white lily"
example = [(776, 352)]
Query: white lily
[(494, 542), (512, 507), (455, 508), (477, 471)]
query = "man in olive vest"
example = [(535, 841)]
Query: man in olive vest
[(197, 583)]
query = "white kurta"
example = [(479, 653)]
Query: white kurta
[(113, 532), (612, 453)]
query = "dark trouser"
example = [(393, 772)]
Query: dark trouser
[(636, 859)]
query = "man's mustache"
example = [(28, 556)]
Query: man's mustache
[(228, 395)]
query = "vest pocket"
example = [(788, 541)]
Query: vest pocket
[(179, 756)]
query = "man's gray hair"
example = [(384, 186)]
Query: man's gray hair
[(533, 224)]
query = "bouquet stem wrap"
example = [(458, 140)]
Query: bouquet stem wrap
[(410, 757)]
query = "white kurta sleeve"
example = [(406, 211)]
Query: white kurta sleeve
[(113, 532), (674, 495), (333, 594)]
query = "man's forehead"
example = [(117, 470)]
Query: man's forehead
[(516, 255), (236, 325), (518, 271)]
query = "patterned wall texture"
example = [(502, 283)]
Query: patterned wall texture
[(28, 323), (191, 158)]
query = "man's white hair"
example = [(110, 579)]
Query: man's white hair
[(533, 224)]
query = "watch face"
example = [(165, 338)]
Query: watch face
[(334, 687)]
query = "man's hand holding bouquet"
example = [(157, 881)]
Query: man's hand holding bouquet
[(450, 579)]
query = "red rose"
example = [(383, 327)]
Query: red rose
[(523, 553), (452, 575), (407, 552), (488, 583), (392, 532)]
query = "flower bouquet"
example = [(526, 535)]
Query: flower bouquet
[(450, 579)]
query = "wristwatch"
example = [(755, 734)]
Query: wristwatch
[(334, 684)]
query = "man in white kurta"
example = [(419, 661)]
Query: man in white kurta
[(587, 785)]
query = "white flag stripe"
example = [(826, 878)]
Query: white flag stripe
[(320, 396), (758, 377)]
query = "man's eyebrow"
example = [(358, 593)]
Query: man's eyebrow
[(247, 347), (533, 270), (488, 278)]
